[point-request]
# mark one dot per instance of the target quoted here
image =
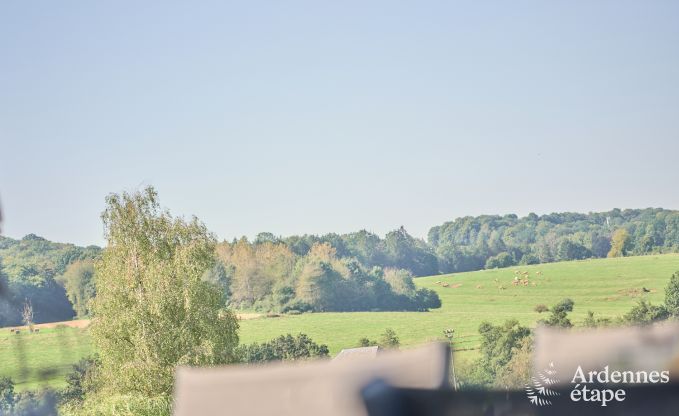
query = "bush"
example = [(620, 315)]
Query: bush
[(559, 314), (389, 339), (672, 295), (541, 308), (365, 342), (79, 381), (643, 313), (592, 322)]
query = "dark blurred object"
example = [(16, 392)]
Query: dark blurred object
[(641, 400)]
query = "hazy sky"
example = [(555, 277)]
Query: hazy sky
[(311, 117)]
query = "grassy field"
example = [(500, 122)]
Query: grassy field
[(42, 359), (608, 287)]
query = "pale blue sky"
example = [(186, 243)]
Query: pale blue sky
[(311, 117)]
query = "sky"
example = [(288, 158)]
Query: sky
[(313, 117)]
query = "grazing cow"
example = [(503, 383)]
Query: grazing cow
[(445, 285)]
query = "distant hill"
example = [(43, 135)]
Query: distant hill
[(32, 265)]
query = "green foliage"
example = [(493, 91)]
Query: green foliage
[(499, 261), (619, 243), (366, 342), (270, 277), (498, 345), (644, 313), (80, 381), (592, 322), (571, 250), (469, 243), (31, 266), (672, 295), (123, 405), (541, 308), (78, 280), (517, 373), (389, 339), (153, 309), (559, 315), (283, 348), (6, 395)]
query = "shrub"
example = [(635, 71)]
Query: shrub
[(389, 339), (365, 342), (644, 313), (541, 308), (80, 381), (672, 295), (559, 317), (592, 322)]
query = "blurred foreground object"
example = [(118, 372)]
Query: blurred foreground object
[(648, 348), (311, 388)]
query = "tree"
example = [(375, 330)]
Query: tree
[(153, 310), (498, 345), (619, 243), (672, 295), (283, 348), (516, 374), (27, 314), (500, 261), (559, 314), (78, 280), (571, 250)]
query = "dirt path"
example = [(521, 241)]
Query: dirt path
[(84, 323)]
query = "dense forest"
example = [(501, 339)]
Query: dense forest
[(354, 271), (36, 272)]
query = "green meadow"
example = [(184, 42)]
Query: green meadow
[(42, 359), (608, 287)]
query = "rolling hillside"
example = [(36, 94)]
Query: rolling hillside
[(608, 287)]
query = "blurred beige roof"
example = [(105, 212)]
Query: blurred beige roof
[(358, 353), (328, 388)]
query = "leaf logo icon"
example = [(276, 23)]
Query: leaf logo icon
[(538, 390)]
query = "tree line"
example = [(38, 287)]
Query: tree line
[(353, 271)]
